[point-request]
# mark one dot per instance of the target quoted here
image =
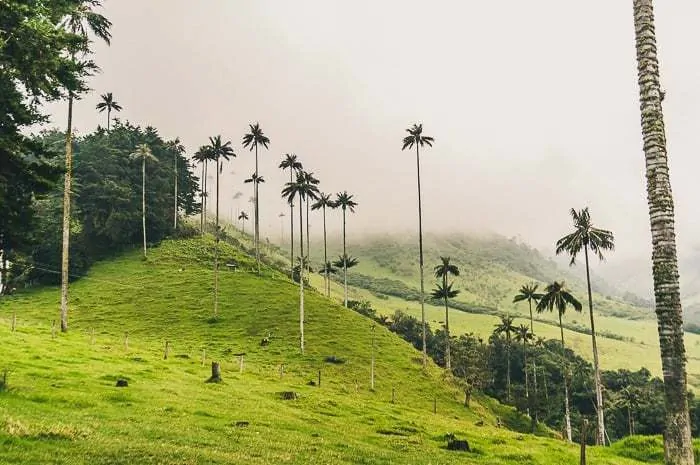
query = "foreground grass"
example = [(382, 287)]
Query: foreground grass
[(62, 405)]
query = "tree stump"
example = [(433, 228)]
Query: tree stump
[(215, 373), (121, 382), (288, 395)]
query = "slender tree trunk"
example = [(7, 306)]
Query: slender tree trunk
[(527, 389), (448, 357), (677, 440), (202, 190), (175, 215), (420, 254), (216, 245), (65, 250), (257, 211), (206, 193), (143, 202), (567, 412), (325, 255), (291, 228), (629, 420), (243, 221), (534, 369), (301, 275), (345, 266), (600, 436), (109, 112), (508, 397), (308, 245)]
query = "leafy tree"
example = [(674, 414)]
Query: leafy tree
[(291, 163), (143, 152), (677, 438), (108, 103), (506, 328), (586, 236), (345, 201), (444, 292), (219, 151), (323, 201), (252, 140), (557, 297), (80, 20), (243, 217), (416, 138), (299, 189)]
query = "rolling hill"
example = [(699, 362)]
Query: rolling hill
[(59, 403)]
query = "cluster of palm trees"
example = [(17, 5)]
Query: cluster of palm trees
[(585, 237), (303, 188)]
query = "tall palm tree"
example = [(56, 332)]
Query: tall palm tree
[(506, 328), (345, 201), (298, 189), (313, 193), (291, 163), (588, 237), (202, 156), (443, 271), (523, 334), (416, 138), (219, 151), (108, 103), (178, 150), (82, 21), (243, 216), (252, 140), (677, 439), (143, 152), (327, 270), (557, 297), (529, 292), (324, 200), (255, 180)]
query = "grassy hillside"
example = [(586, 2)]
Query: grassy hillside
[(61, 405)]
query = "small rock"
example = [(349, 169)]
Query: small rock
[(242, 424), (458, 444), (121, 382)]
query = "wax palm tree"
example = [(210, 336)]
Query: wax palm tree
[(313, 193), (202, 156), (323, 201), (346, 261), (588, 237), (629, 398), (291, 163), (327, 270), (81, 21), (256, 180), (108, 103), (298, 189), (506, 328), (557, 297), (219, 151), (677, 438), (416, 138), (178, 150), (252, 140), (243, 217), (345, 201), (143, 153), (443, 271), (523, 334), (529, 292)]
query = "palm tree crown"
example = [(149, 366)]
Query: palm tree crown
[(83, 19), (143, 151), (345, 201), (218, 149), (443, 292), (346, 261), (323, 201), (290, 162), (505, 326), (254, 178), (557, 297), (444, 269), (255, 137), (416, 137), (243, 216), (585, 235), (108, 103)]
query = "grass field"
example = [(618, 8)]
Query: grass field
[(61, 405)]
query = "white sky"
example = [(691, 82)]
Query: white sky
[(533, 105)]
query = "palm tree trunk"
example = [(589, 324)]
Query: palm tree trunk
[(143, 203), (301, 276), (175, 215), (325, 254), (629, 420), (345, 266), (448, 358), (420, 253), (567, 412), (206, 192), (291, 229), (65, 251), (534, 367), (527, 389), (677, 440), (600, 437), (109, 111), (308, 246), (201, 215), (508, 368), (257, 211), (216, 245)]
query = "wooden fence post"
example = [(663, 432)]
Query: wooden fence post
[(435, 404), (14, 321), (393, 395), (167, 349), (319, 378), (126, 340), (584, 426)]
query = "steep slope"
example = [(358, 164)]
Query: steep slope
[(61, 405)]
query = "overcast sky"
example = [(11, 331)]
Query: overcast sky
[(533, 105)]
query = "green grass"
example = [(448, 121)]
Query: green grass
[(62, 406)]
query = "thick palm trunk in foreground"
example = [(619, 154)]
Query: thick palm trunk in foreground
[(65, 250), (677, 438)]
